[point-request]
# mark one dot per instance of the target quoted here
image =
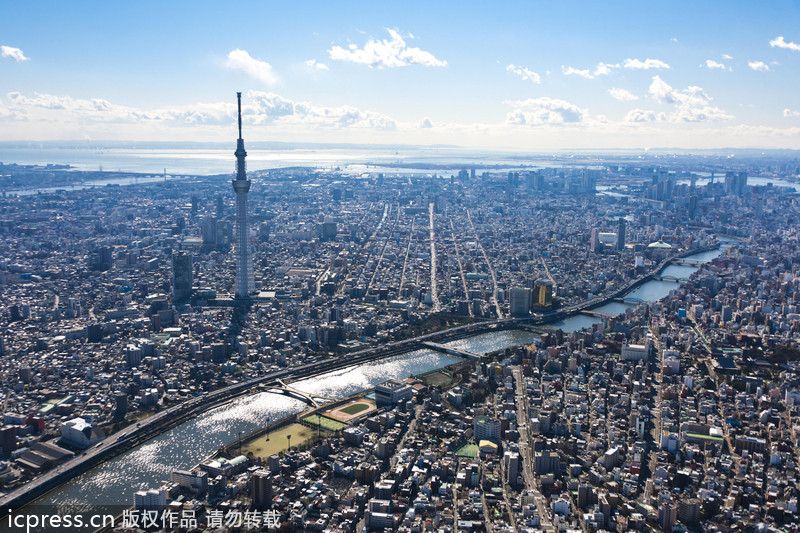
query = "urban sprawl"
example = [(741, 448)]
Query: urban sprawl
[(119, 319)]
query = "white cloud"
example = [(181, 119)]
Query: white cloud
[(386, 53), (524, 73), (602, 69), (268, 107), (663, 93), (569, 71), (758, 65), (544, 123), (726, 56), (748, 131), (789, 113), (690, 105), (647, 64), (316, 65), (710, 63), (674, 40), (94, 109), (255, 68), (643, 115), (14, 53), (259, 108), (780, 42), (544, 110), (622, 95)]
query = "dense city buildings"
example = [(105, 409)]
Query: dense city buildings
[(628, 411), (482, 268)]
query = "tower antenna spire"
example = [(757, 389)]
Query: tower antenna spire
[(239, 98), (245, 284)]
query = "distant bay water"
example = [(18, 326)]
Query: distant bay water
[(211, 161), (179, 160)]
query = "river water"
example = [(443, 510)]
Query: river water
[(114, 482), (206, 160), (651, 291)]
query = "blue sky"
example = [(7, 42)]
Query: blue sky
[(518, 75)]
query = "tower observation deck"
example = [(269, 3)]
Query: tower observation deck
[(245, 284)]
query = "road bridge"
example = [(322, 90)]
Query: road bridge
[(629, 300), (451, 351), (676, 279), (286, 390), (597, 314), (539, 330)]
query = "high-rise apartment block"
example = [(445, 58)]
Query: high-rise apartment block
[(181, 276)]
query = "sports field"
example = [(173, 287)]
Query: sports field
[(355, 408), (468, 450), (436, 379), (351, 410), (324, 422), (261, 447)]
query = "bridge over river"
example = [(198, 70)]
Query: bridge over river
[(435, 346), (287, 390)]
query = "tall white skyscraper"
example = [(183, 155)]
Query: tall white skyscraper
[(245, 283)]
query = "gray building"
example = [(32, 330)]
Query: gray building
[(181, 276)]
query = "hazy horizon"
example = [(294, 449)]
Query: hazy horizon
[(301, 145)]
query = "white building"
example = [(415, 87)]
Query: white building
[(670, 441), (391, 392), (611, 457), (511, 460), (635, 352), (561, 507), (671, 362), (81, 433), (380, 521), (194, 481), (150, 499), (607, 238), (486, 428)]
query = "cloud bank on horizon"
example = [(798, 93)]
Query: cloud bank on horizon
[(503, 87)]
